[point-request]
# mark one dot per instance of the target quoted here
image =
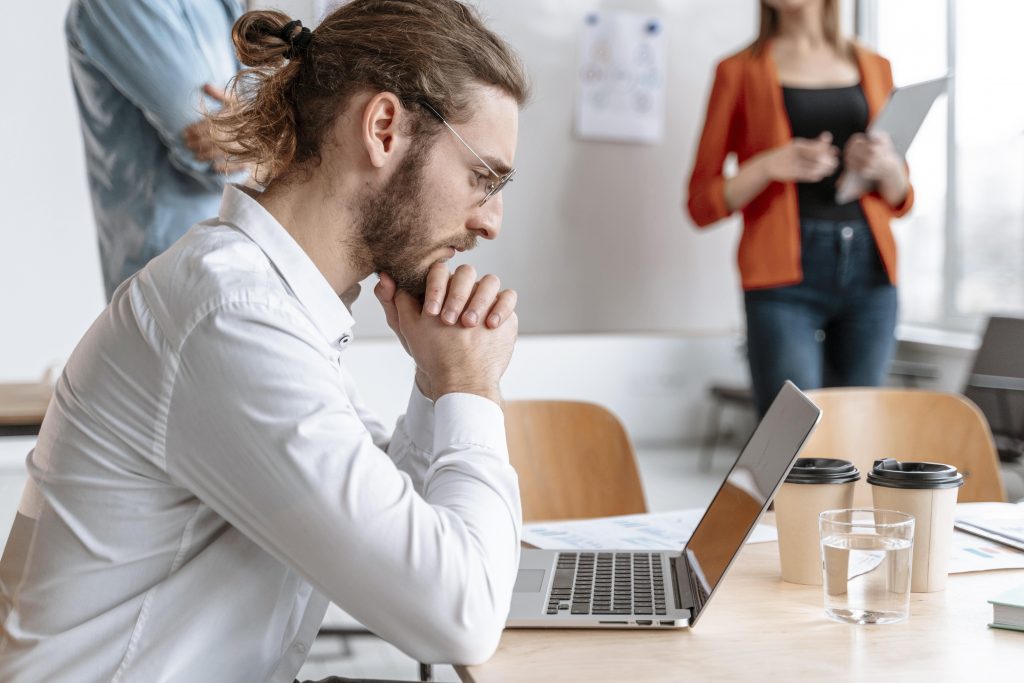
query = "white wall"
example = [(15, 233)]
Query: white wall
[(50, 286)]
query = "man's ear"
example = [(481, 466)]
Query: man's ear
[(381, 128)]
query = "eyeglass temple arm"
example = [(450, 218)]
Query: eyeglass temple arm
[(464, 143)]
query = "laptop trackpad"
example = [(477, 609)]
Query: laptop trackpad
[(529, 581)]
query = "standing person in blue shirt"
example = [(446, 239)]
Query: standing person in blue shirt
[(139, 68)]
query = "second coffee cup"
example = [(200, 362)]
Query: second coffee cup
[(813, 486), (926, 490)]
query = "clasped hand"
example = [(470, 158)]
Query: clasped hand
[(462, 335)]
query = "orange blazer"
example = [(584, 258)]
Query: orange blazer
[(746, 115)]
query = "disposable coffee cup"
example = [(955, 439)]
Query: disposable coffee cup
[(926, 490), (813, 486)]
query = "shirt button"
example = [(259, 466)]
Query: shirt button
[(301, 648), (847, 232)]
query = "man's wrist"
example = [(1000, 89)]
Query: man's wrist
[(489, 392), (424, 385)]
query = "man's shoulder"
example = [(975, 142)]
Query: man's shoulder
[(212, 267)]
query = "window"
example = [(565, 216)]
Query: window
[(962, 246)]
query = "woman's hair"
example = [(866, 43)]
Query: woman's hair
[(422, 51), (829, 25)]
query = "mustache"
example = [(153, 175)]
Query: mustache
[(464, 243)]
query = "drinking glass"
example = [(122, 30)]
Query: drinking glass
[(865, 558)]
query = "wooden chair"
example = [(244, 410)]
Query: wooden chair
[(864, 424), (574, 461)]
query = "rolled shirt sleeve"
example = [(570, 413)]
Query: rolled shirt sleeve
[(706, 190)]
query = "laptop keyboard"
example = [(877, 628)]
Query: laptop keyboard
[(607, 583)]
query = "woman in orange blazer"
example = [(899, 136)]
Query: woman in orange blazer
[(818, 276)]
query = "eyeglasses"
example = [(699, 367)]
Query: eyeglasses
[(500, 181)]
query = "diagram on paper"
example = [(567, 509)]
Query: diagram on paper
[(621, 87), (651, 531)]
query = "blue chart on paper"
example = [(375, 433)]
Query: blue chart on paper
[(655, 531)]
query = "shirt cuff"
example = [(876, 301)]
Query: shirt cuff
[(469, 419), (419, 420)]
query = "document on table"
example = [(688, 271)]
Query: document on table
[(970, 553), (1000, 522), (652, 531), (973, 553)]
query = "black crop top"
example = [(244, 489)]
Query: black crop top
[(840, 111)]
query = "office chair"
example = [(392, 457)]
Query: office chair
[(996, 384), (865, 424), (908, 374), (574, 461)]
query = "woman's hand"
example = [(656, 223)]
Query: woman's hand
[(874, 159), (802, 160), (798, 161)]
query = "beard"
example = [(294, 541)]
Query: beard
[(394, 227)]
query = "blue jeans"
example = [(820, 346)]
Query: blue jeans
[(835, 328)]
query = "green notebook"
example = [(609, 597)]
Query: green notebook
[(1008, 610)]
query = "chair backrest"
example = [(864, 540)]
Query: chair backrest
[(864, 424), (574, 461)]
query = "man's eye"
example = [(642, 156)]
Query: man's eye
[(480, 177)]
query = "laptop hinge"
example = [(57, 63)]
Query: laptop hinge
[(681, 583), (698, 595)]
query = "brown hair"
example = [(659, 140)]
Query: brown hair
[(431, 51), (829, 26)]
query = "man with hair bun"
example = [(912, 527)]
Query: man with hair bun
[(207, 479)]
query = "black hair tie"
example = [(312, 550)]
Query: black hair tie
[(298, 43)]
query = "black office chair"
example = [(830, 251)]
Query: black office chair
[(426, 671), (996, 385)]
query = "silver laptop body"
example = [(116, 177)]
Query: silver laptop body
[(666, 589)]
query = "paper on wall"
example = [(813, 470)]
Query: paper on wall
[(620, 94)]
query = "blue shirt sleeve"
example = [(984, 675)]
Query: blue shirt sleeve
[(154, 54)]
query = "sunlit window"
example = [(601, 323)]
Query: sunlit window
[(961, 250)]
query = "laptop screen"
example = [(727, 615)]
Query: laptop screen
[(748, 488)]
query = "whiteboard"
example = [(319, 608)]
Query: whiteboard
[(595, 236)]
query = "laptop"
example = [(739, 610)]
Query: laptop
[(666, 589)]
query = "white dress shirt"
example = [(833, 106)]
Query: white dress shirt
[(206, 480)]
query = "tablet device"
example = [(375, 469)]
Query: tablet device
[(901, 118)]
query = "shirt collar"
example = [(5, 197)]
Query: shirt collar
[(240, 210)]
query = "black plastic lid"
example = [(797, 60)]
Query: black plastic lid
[(914, 475), (822, 471)]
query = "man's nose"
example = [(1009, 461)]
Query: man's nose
[(486, 220)]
